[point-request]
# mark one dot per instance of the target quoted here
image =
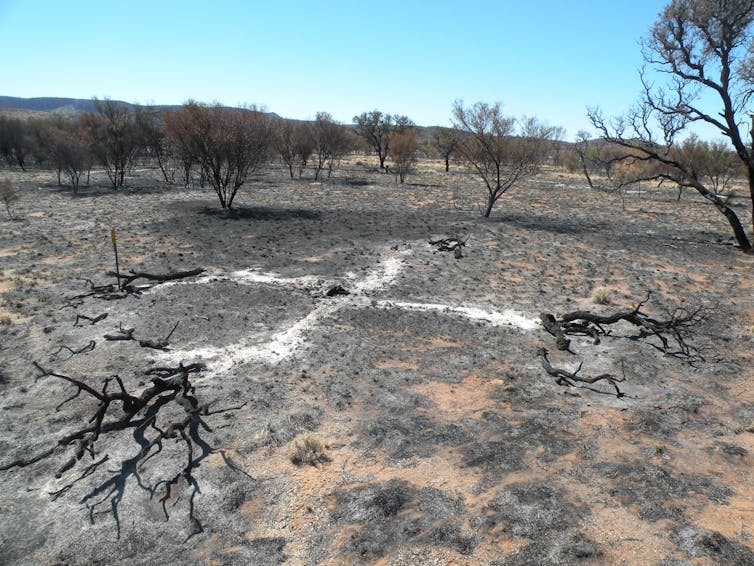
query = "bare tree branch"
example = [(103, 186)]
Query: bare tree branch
[(706, 50)]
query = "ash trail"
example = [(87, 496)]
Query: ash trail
[(273, 348)]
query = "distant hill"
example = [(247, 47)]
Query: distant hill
[(48, 104), (28, 107), (55, 105), (37, 107)]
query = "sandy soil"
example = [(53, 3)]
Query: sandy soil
[(445, 440)]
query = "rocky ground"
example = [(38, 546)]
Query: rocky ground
[(409, 421)]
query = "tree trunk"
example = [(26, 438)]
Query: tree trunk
[(163, 168), (750, 168), (447, 163), (490, 203), (738, 229), (751, 189)]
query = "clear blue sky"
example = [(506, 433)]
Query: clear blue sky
[(544, 58)]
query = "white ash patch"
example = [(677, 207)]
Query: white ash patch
[(257, 347), (261, 347), (380, 277), (253, 276), (273, 348), (493, 318)]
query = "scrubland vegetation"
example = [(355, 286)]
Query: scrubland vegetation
[(389, 343)]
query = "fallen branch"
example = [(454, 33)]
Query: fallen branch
[(110, 292), (123, 334), (128, 334), (337, 290), (156, 278), (87, 348), (553, 327), (138, 416), (95, 290), (92, 320), (570, 378), (449, 245), (669, 331)]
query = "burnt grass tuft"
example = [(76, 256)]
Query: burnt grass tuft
[(537, 511), (395, 513), (412, 436), (655, 491), (699, 543), (507, 446)]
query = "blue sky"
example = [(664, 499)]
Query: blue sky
[(544, 58)]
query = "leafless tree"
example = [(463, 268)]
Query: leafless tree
[(403, 152), (63, 143), (177, 128), (152, 140), (295, 143), (377, 128), (114, 136), (558, 143), (228, 143), (70, 150), (501, 153), (303, 145), (14, 141), (705, 49), (445, 142), (331, 143), (38, 129)]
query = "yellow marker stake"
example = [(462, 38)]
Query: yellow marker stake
[(114, 240)]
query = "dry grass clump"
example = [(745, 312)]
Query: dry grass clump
[(307, 449), (602, 295), (6, 318)]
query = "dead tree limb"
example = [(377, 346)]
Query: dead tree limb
[(92, 320), (123, 334), (156, 278), (128, 334), (448, 244), (454, 245), (94, 290), (138, 416), (87, 348), (110, 292), (570, 378), (161, 344), (553, 327), (670, 332), (89, 470)]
